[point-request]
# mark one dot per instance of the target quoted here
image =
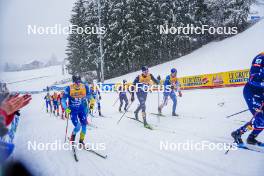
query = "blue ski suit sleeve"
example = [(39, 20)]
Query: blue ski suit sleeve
[(154, 79), (65, 97), (88, 92), (257, 72), (136, 81), (167, 81)]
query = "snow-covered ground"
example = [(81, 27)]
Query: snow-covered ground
[(134, 150), (33, 80)]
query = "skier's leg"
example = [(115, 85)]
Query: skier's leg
[(252, 105), (174, 100), (50, 106), (99, 107), (139, 97), (126, 102), (83, 120), (57, 108), (76, 124), (121, 101), (143, 107), (258, 124), (47, 106), (164, 102)]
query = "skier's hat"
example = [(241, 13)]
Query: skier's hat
[(144, 68), (173, 70), (76, 78)]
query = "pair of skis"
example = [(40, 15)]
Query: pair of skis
[(150, 128), (258, 148), (86, 149)]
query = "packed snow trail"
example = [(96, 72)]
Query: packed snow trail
[(134, 150)]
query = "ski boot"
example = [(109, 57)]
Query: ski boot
[(100, 114), (82, 135), (237, 137), (125, 108), (174, 114), (252, 140), (159, 110), (58, 114), (120, 109), (146, 125), (47, 110), (72, 139), (136, 115)]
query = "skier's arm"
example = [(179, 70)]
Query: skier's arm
[(256, 75), (179, 88), (65, 97), (257, 84), (135, 82), (88, 93), (98, 91), (167, 81), (156, 81), (257, 70)]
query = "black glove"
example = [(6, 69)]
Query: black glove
[(158, 77), (100, 97)]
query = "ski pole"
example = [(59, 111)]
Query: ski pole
[(66, 132), (116, 101), (237, 113), (124, 113), (158, 105)]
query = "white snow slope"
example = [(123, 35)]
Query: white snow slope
[(134, 150)]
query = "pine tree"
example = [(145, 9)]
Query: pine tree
[(76, 50)]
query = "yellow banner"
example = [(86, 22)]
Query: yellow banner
[(214, 80), (221, 79)]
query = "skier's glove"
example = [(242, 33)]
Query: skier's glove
[(158, 77), (68, 111), (180, 94), (100, 98)]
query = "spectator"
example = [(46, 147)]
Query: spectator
[(9, 107)]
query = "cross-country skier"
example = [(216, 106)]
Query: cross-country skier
[(171, 86), (123, 96), (55, 101), (63, 114), (47, 99), (254, 96), (142, 81), (76, 94), (96, 95)]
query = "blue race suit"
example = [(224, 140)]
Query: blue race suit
[(143, 81), (254, 95), (77, 95), (123, 97), (171, 85), (47, 99), (97, 96)]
